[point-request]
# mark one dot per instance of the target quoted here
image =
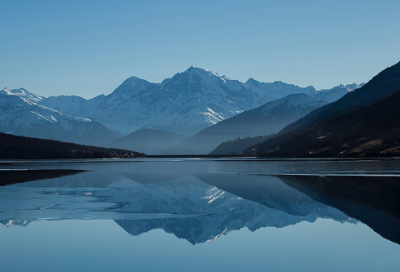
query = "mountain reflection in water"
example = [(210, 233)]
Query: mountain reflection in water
[(201, 207)]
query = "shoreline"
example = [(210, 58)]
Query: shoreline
[(4, 162)]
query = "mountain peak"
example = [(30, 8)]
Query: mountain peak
[(199, 70), (131, 85), (133, 79), (353, 86), (252, 81), (23, 93), (205, 75)]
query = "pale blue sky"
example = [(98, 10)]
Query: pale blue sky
[(89, 47)]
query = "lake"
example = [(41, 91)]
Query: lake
[(200, 215)]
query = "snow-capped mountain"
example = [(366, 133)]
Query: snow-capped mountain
[(21, 92), (267, 119), (186, 103), (22, 115)]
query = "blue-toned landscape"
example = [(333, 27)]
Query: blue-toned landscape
[(177, 135)]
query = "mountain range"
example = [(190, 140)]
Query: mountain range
[(186, 104)]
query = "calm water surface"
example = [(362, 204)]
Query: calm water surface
[(200, 215)]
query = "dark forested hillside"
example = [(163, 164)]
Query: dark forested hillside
[(369, 131), (237, 146), (19, 147), (382, 86)]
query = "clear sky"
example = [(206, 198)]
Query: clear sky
[(88, 48)]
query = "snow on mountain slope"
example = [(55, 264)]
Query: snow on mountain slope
[(21, 92), (186, 103), (267, 119), (20, 115)]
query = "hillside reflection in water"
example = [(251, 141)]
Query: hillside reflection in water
[(203, 207)]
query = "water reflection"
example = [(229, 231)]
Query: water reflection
[(12, 177), (199, 207), (373, 200), (194, 207), (286, 223)]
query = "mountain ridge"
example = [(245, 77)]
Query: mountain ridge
[(186, 103)]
